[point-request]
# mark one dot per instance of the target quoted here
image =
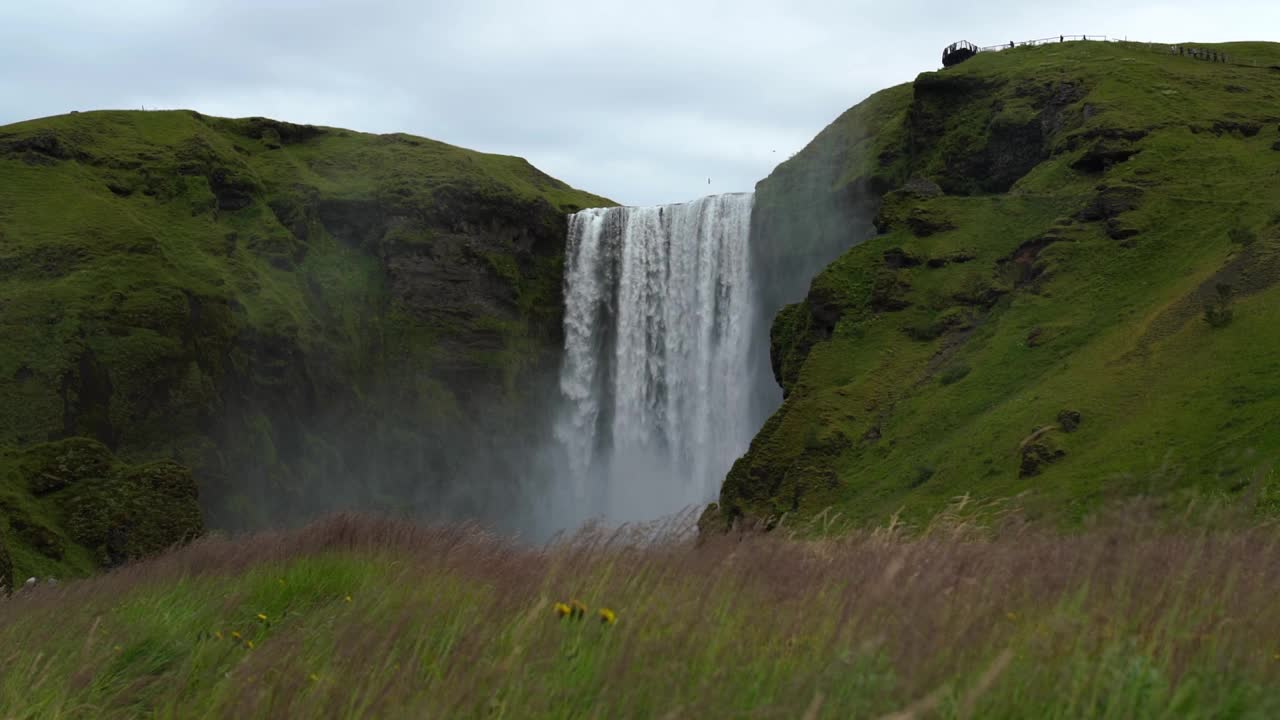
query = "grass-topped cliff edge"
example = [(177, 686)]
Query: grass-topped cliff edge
[(304, 316), (1071, 291)]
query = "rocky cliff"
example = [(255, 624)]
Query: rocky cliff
[(1069, 293), (297, 318)]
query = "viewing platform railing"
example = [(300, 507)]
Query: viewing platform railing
[(959, 52)]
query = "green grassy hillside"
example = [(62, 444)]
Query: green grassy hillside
[(1072, 291), (280, 308)]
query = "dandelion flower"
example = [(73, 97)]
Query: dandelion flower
[(607, 616), (578, 610), (562, 610), (235, 634), (262, 617)]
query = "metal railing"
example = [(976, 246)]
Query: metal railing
[(1042, 41), (1213, 56)]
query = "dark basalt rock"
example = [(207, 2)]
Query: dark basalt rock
[(6, 570), (888, 293), (957, 258), (43, 148), (1103, 154), (1035, 456), (1119, 231), (896, 258), (1025, 258), (1244, 128), (1111, 201), (923, 223), (279, 132), (921, 187), (1069, 420)]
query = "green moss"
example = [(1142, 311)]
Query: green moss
[(71, 506), (1090, 202), (139, 511)]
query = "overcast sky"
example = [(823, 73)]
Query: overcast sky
[(641, 101)]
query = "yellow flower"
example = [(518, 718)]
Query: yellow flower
[(262, 617), (348, 598), (117, 648), (218, 635), (578, 610), (314, 677), (235, 634), (248, 644), (562, 610), (1011, 615), (607, 616)]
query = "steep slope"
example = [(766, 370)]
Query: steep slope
[(305, 317), (1071, 292)]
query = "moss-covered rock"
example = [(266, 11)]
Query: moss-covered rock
[(71, 506), (138, 511), (50, 467)]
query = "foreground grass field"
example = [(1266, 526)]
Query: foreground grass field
[(354, 617)]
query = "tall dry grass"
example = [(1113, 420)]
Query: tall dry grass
[(1128, 618)]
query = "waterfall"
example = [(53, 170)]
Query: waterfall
[(655, 381)]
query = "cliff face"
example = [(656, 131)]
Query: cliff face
[(305, 317), (1069, 290)]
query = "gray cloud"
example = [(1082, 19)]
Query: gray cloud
[(639, 101)]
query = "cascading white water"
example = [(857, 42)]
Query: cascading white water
[(655, 376)]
